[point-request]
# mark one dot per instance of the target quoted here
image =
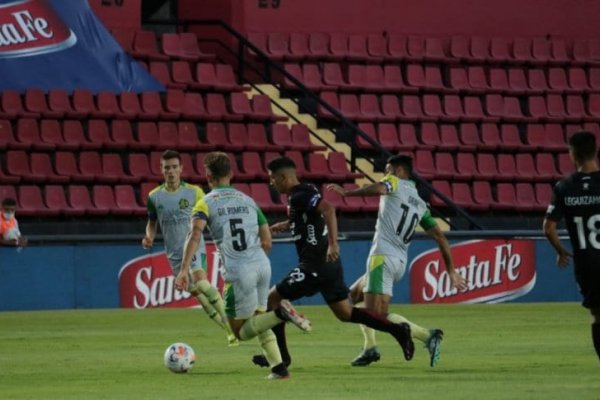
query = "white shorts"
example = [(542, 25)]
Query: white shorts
[(382, 272), (246, 289)]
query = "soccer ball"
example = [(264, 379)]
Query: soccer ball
[(179, 357)]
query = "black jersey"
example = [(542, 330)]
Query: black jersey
[(307, 224), (577, 199)]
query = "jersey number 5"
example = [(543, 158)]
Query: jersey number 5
[(238, 234), (594, 232), (407, 232)]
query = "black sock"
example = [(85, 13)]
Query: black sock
[(371, 319), (596, 337), (279, 331)]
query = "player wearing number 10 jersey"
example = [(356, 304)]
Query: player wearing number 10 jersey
[(577, 199), (400, 210)]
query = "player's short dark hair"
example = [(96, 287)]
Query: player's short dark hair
[(280, 163), (9, 202), (217, 164), (401, 160), (170, 154), (583, 145)]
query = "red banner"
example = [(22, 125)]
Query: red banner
[(30, 27), (148, 282), (497, 270)]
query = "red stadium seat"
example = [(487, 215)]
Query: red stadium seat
[(507, 168), (17, 165), (145, 46), (55, 199), (462, 197), (261, 193), (546, 167), (480, 49), (126, 201), (190, 48), (12, 106), (252, 164), (237, 136), (407, 137), (506, 197), (318, 45), (482, 194), (31, 203), (543, 195), (466, 167), (51, 133), (525, 167), (525, 195), (139, 168), (103, 199), (41, 166), (338, 166), (424, 165), (449, 138), (444, 166), (487, 167), (168, 136), (99, 134), (387, 136), (80, 201), (112, 170), (28, 135), (443, 187), (298, 49), (257, 138), (469, 137)]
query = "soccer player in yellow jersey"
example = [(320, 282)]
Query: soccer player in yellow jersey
[(400, 210), (170, 205)]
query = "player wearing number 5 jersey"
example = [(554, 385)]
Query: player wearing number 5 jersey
[(577, 199), (400, 211), (241, 233)]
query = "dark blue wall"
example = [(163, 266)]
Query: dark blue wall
[(86, 276)]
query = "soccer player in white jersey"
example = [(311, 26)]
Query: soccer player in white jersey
[(170, 206), (241, 233), (400, 210)]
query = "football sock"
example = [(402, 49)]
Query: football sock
[(416, 331), (279, 331), (268, 343), (210, 310), (213, 296), (596, 337), (258, 324), (368, 333), (371, 319)]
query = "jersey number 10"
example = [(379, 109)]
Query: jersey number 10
[(407, 232), (593, 234)]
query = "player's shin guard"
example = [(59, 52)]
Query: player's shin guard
[(268, 343), (213, 296), (258, 324), (210, 310), (596, 337), (417, 332)]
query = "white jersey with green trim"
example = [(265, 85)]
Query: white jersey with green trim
[(233, 220), (173, 211), (400, 210)]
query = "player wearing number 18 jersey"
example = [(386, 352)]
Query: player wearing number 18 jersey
[(400, 210), (577, 199)]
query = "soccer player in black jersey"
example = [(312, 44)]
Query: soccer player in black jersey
[(577, 199), (313, 225)]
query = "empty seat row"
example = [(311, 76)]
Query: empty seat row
[(500, 167), (204, 76), (473, 79), (74, 200), (452, 108), (145, 45), (482, 196), (90, 166), (477, 79), (466, 137), (128, 105), (376, 47)]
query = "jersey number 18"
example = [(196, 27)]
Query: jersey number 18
[(592, 236)]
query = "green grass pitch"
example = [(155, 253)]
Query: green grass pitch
[(509, 351)]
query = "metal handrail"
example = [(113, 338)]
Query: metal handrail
[(244, 43)]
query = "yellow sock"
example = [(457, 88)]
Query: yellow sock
[(268, 343), (417, 332), (213, 296), (210, 311), (368, 333), (258, 324)]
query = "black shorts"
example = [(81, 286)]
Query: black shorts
[(588, 279), (306, 281)]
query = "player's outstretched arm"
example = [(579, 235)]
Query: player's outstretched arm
[(374, 189), (148, 240), (265, 238), (280, 227), (552, 235), (457, 280), (189, 250)]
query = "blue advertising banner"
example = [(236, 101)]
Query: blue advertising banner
[(50, 44), (125, 275)]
